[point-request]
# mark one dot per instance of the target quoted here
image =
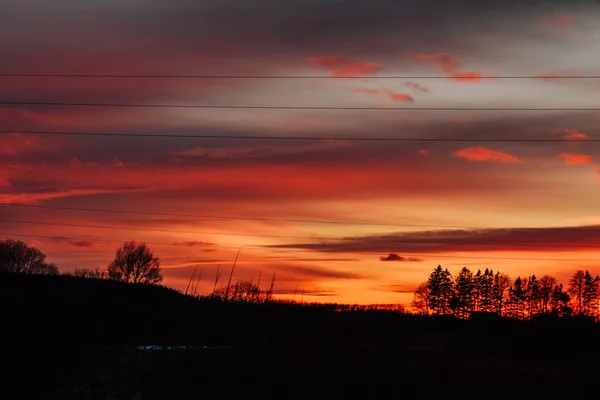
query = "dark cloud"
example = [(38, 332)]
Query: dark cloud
[(194, 243), (302, 259), (399, 289), (306, 292), (511, 239), (320, 273), (396, 257)]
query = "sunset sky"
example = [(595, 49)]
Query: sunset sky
[(324, 214)]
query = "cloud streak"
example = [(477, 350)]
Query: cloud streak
[(343, 67), (482, 154), (555, 239)]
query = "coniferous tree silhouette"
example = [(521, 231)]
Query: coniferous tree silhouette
[(576, 289), (517, 297), (500, 287), (441, 290), (464, 287), (590, 294)]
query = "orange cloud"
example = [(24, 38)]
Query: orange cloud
[(341, 67), (469, 77), (559, 21), (573, 134), (576, 159), (450, 66), (482, 154)]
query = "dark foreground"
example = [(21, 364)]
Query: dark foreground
[(67, 338)]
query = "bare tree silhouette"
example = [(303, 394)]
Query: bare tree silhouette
[(17, 257), (241, 291), (90, 273), (420, 301), (135, 263)]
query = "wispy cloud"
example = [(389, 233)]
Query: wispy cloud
[(451, 67)]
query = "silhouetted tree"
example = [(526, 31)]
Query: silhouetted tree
[(441, 290), (484, 286), (463, 290), (590, 294), (576, 289), (17, 257), (559, 303), (548, 285), (420, 301), (533, 292), (500, 287), (135, 263), (517, 297)]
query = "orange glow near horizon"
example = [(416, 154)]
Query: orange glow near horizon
[(338, 213)]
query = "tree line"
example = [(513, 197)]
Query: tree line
[(133, 263), (522, 298)]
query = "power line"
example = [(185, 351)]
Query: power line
[(166, 230), (308, 108), (135, 76), (307, 138), (220, 217), (303, 250), (290, 220)]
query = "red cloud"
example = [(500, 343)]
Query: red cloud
[(424, 152), (450, 66), (576, 159), (482, 154), (573, 134), (340, 66), (470, 77), (11, 144), (416, 86), (560, 21), (401, 97)]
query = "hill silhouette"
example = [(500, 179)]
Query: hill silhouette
[(88, 338)]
